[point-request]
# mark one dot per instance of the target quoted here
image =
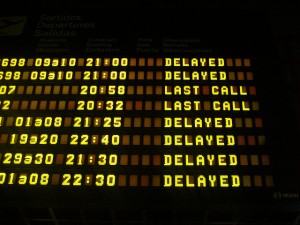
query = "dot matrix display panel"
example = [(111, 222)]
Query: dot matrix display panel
[(88, 111)]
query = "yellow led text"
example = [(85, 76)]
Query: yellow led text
[(185, 90), (200, 160), (185, 105), (199, 140), (231, 90), (202, 181), (195, 75), (195, 62), (186, 122), (230, 106)]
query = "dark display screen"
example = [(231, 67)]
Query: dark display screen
[(156, 107)]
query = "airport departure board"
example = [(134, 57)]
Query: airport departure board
[(180, 113), (154, 107)]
